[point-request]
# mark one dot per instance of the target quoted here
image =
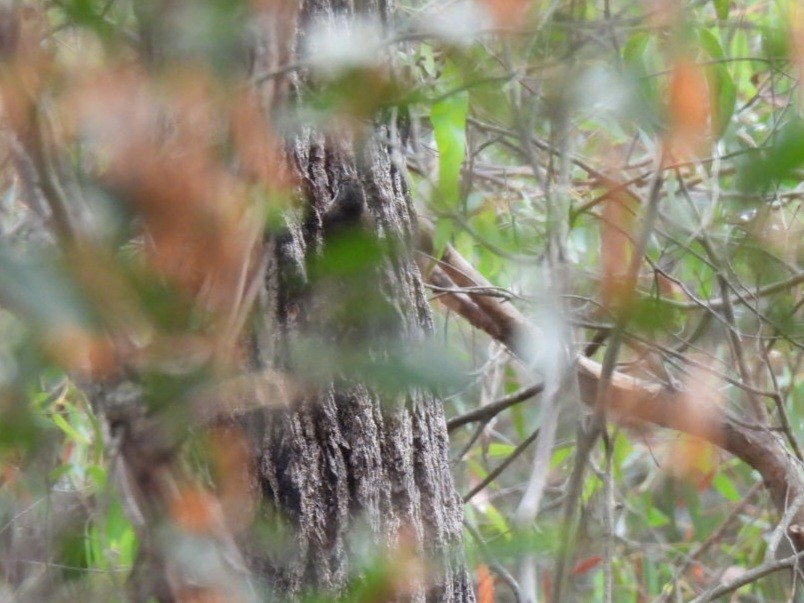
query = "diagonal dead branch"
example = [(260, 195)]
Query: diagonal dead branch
[(629, 397), (485, 413)]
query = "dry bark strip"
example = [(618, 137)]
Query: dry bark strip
[(629, 397)]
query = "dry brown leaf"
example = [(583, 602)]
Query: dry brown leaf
[(616, 250), (485, 584), (689, 111)]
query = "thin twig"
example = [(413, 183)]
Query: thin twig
[(497, 567), (749, 577), (502, 466), (484, 413), (588, 434), (711, 540)]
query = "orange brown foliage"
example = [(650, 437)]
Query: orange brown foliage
[(616, 250), (586, 564), (689, 111), (80, 352), (160, 147), (693, 459), (233, 469), (27, 66), (485, 584), (195, 511), (507, 13)]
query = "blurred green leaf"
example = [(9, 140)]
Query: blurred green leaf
[(721, 8), (350, 254), (385, 364), (35, 289), (775, 33), (477, 469), (69, 430), (641, 59), (656, 518), (443, 233), (769, 167), (24, 431), (653, 314), (560, 455), (448, 118), (497, 450), (498, 521), (723, 92), (725, 487), (87, 13)]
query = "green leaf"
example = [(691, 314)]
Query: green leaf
[(777, 163), (775, 37), (127, 548), (477, 469), (656, 518), (692, 501), (721, 9), (724, 98), (85, 13), (722, 89), (742, 70), (69, 430), (443, 233), (448, 118), (40, 293), (498, 521), (559, 456), (98, 476), (641, 58), (653, 314), (725, 487), (499, 450), (93, 549)]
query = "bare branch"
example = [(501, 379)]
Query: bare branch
[(749, 577), (489, 411), (630, 397)]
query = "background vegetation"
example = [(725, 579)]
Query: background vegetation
[(628, 175)]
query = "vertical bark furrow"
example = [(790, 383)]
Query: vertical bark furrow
[(363, 454), (441, 513), (398, 460), (345, 458), (346, 461), (337, 496)]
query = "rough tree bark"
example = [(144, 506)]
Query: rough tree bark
[(341, 464), (344, 456), (345, 459)]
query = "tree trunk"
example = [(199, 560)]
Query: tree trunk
[(345, 470), (347, 463), (345, 460), (345, 457)]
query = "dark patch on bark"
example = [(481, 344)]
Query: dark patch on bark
[(346, 464)]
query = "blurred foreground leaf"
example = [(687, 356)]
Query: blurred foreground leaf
[(770, 167)]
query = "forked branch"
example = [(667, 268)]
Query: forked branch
[(629, 397)]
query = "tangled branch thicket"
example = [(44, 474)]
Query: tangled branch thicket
[(212, 375)]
